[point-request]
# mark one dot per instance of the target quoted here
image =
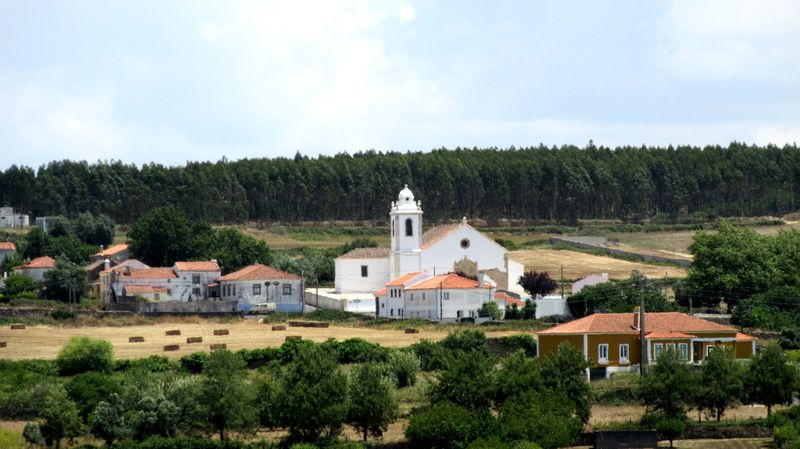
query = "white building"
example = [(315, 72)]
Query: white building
[(592, 279), (37, 267), (551, 305), (258, 284), (437, 250), (10, 219), (197, 275), (447, 297), (184, 281), (7, 250)]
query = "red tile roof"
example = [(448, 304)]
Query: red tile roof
[(381, 292), (509, 300), (40, 262), (148, 273), (741, 336), (112, 250), (257, 272), (666, 335), (7, 246), (202, 265), (366, 253), (448, 281), (140, 289), (403, 279), (622, 323)]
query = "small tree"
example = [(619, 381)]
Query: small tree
[(17, 284), (442, 425), (225, 396), (88, 389), (467, 381), (404, 366), (669, 386), (537, 283), (545, 418), (65, 282), (32, 434), (720, 383), (490, 309), (372, 403), (82, 354), (670, 428), (565, 371), (528, 311), (107, 420), (60, 418), (771, 379)]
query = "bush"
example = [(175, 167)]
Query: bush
[(432, 356), (466, 341), (291, 348), (25, 403), (259, 357), (63, 315), (491, 310), (443, 425), (194, 362), (546, 419), (358, 350), (82, 354), (152, 364), (17, 284), (404, 365), (88, 389), (786, 436), (517, 342)]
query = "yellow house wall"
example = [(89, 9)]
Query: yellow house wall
[(548, 344), (613, 341), (744, 349)]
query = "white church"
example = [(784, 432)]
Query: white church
[(439, 250)]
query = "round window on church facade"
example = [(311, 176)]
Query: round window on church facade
[(465, 243)]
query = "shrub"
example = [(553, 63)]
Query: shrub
[(546, 419), (63, 315), (82, 354), (33, 434), (786, 436), (443, 425), (88, 389), (466, 341), (432, 356), (259, 357), (358, 350), (491, 310), (289, 349), (404, 365), (517, 342), (151, 364), (194, 362), (16, 284), (25, 403)]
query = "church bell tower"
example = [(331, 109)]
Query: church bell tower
[(405, 220)]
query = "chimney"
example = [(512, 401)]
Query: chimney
[(636, 315), (106, 264), (480, 279)]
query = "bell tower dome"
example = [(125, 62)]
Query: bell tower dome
[(405, 218)]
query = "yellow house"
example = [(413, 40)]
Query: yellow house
[(611, 341)]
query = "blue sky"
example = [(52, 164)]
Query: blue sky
[(168, 82)]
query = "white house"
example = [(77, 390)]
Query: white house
[(37, 267), (128, 282), (7, 250), (447, 297), (437, 250), (197, 275), (11, 219), (106, 277), (257, 284), (592, 279)]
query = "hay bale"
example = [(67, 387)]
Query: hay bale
[(3, 344), (135, 339), (218, 346), (279, 328), (293, 337), (308, 324), (194, 340), (412, 331), (17, 326), (174, 332), (171, 347), (221, 332)]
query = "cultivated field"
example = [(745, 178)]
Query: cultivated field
[(44, 342), (578, 264)]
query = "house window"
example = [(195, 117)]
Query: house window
[(446, 295), (709, 348), (412, 297), (459, 314), (157, 297), (196, 291), (657, 347), (670, 346), (287, 289), (364, 271), (391, 312), (602, 353), (233, 290), (195, 279), (683, 350), (623, 353), (383, 306), (256, 289), (423, 296), (409, 227)]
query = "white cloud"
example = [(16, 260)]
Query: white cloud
[(731, 39)]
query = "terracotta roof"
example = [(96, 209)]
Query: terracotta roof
[(257, 272), (622, 323), (148, 273), (139, 289), (135, 264), (202, 265), (40, 262), (381, 292), (366, 253), (509, 300), (7, 246), (403, 279), (665, 335), (437, 233), (112, 250), (446, 281), (741, 336)]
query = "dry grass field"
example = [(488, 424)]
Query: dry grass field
[(605, 415), (44, 342), (578, 264)]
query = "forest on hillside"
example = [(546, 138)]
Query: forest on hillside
[(538, 183)]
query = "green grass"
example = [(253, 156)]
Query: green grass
[(11, 440)]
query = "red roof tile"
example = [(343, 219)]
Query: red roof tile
[(140, 289), (40, 262), (403, 279), (202, 265), (7, 246), (257, 272), (112, 250), (381, 292), (446, 281), (148, 273), (741, 336), (666, 335), (603, 323), (509, 300)]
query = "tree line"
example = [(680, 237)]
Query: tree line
[(541, 183)]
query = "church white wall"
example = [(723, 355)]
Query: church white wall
[(349, 279), (551, 305), (447, 251), (515, 271)]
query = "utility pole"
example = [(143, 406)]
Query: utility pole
[(562, 281), (643, 345)]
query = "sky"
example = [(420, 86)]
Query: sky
[(174, 81)]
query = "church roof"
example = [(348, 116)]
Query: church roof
[(366, 253), (437, 233)]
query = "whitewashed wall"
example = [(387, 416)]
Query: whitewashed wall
[(268, 294), (348, 275), (447, 251)]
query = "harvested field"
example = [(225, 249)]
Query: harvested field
[(578, 265), (44, 342), (605, 415)]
